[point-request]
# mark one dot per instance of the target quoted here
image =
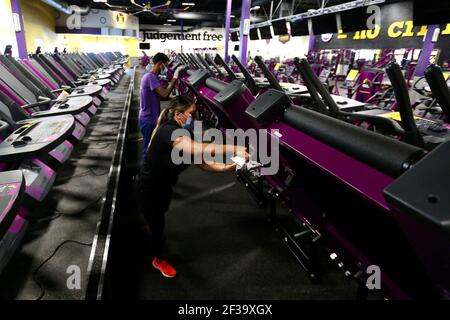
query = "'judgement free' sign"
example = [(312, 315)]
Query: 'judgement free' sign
[(165, 36)]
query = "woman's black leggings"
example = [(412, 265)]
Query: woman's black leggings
[(153, 204)]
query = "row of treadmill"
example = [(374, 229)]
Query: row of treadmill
[(46, 103), (371, 185)]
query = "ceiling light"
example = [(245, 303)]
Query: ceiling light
[(171, 20), (188, 16), (190, 4)]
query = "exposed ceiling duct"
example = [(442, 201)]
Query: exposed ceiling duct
[(66, 8)]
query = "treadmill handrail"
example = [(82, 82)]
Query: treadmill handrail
[(222, 62), (319, 103), (386, 125), (194, 60), (309, 77), (412, 134), (188, 60), (439, 88), (248, 77), (4, 126), (24, 76), (213, 64), (181, 58), (59, 71), (203, 61), (269, 76)]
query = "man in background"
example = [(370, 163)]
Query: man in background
[(152, 91)]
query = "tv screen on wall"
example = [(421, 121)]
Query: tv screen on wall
[(279, 27), (299, 28), (431, 12), (254, 35), (266, 32), (354, 20), (324, 24), (235, 36)]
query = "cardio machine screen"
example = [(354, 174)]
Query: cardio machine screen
[(431, 12), (299, 28), (279, 27), (254, 34), (266, 32), (324, 24), (235, 36), (354, 20)]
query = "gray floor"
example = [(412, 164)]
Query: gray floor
[(222, 246), (70, 212)]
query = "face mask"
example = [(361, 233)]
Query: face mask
[(189, 125), (163, 70)]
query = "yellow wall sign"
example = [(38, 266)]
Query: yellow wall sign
[(397, 29)]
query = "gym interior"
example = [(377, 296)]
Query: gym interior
[(328, 121)]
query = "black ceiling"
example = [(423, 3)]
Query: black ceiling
[(209, 12)]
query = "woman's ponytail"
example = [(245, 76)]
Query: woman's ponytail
[(180, 104), (163, 118)]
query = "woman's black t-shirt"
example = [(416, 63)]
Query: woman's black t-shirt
[(159, 169)]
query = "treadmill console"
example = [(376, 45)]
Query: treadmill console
[(268, 106), (198, 78)]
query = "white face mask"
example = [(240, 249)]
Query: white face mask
[(163, 70)]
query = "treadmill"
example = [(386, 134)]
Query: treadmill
[(28, 149), (420, 132), (343, 103), (13, 113), (12, 225), (439, 87), (92, 79), (113, 73), (40, 103), (55, 157), (72, 87), (289, 88)]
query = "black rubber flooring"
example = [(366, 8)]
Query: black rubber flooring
[(222, 246), (70, 212)]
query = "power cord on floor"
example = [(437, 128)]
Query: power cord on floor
[(83, 174), (105, 146), (60, 214), (35, 272)]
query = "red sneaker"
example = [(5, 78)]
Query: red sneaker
[(166, 269), (147, 229)]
